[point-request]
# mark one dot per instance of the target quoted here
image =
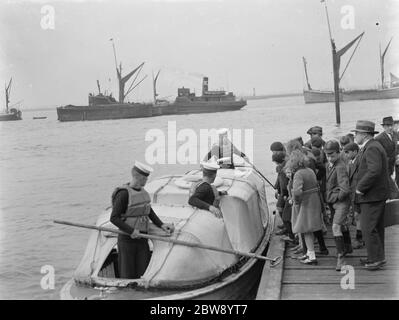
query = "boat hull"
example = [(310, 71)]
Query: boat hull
[(208, 107), (11, 116), (316, 96), (242, 285), (104, 112)]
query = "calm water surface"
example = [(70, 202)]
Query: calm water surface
[(52, 170)]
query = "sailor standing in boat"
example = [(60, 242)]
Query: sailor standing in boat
[(131, 211), (224, 149), (204, 195)]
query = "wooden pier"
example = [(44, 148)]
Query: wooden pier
[(292, 280)]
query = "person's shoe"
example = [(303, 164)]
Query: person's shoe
[(295, 248), (308, 261), (340, 262), (281, 232), (302, 257), (323, 252), (358, 244), (287, 238), (298, 251), (375, 265), (364, 261)]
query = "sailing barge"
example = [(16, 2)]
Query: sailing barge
[(185, 272), (10, 114), (385, 91)]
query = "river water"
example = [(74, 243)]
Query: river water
[(52, 170)]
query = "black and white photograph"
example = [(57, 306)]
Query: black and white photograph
[(170, 150)]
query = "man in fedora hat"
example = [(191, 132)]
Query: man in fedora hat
[(372, 190), (131, 212), (204, 195), (389, 142)]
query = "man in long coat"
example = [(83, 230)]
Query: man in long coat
[(372, 190)]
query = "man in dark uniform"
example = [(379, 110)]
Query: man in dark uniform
[(224, 149), (204, 195), (131, 211), (372, 190)]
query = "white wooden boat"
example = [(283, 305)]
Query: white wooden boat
[(181, 272)]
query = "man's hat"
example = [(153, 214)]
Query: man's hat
[(142, 168), (365, 126), (331, 147), (351, 147), (276, 146), (315, 130), (387, 121), (210, 166), (222, 131)]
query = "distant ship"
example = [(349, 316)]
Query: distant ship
[(385, 90), (210, 101), (10, 114), (105, 107)]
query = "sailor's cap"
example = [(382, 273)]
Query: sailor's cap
[(210, 166), (142, 168), (223, 131)]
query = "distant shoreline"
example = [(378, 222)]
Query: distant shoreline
[(269, 96)]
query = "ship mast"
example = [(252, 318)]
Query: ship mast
[(306, 73), (336, 55), (8, 90), (154, 82), (123, 80), (382, 57)]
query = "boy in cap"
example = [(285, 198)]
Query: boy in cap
[(204, 194), (337, 196), (313, 132), (281, 192), (351, 151), (131, 212)]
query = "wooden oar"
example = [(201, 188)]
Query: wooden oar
[(274, 261)]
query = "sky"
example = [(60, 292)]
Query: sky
[(239, 45)]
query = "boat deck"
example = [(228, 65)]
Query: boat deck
[(291, 280)]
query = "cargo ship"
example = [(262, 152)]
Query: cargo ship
[(10, 114), (210, 101), (105, 107)]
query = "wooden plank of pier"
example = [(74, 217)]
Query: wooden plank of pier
[(293, 280)]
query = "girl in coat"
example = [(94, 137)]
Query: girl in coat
[(306, 209)]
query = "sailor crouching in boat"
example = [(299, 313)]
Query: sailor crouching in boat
[(204, 195), (224, 149), (131, 211)]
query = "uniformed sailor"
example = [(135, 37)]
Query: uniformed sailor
[(224, 148), (203, 194), (131, 211)]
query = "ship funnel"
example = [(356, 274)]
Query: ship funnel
[(204, 85)]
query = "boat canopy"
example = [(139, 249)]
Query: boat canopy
[(245, 216)]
